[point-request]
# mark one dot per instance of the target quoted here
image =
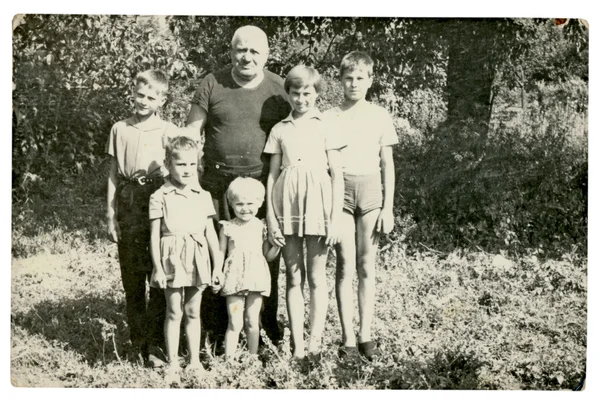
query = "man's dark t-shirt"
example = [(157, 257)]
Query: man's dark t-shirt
[(238, 119)]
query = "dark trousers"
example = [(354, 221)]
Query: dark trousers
[(145, 319)]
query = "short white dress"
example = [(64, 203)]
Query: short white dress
[(302, 195), (245, 269)]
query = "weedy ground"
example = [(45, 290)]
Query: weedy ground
[(460, 320)]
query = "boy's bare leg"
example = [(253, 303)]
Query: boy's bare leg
[(366, 251), (345, 269)]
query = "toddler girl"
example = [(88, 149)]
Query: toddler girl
[(304, 197), (246, 277), (183, 241)]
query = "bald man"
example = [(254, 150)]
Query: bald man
[(237, 107)]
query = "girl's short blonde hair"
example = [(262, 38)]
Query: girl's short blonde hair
[(245, 187), (301, 76)]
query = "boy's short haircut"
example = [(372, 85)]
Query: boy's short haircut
[(246, 187), (301, 76), (154, 78), (181, 143), (355, 58)]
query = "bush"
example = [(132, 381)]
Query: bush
[(524, 185)]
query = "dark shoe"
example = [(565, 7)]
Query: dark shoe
[(348, 352), (156, 357), (369, 350), (314, 360)]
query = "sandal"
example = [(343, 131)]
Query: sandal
[(369, 350)]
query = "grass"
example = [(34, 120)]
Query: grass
[(461, 320)]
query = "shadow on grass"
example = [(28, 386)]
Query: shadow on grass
[(449, 370), (74, 204), (93, 327)]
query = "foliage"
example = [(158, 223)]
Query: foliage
[(523, 185), (72, 76)]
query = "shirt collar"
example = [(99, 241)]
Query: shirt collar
[(154, 122), (314, 113), (168, 187)]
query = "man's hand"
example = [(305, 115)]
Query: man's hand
[(385, 222), (114, 232)]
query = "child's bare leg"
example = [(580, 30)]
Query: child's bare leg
[(235, 311), (191, 309), (316, 259), (252, 319), (366, 251), (173, 322), (344, 273), (294, 265)]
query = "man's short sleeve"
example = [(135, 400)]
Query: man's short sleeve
[(156, 205), (273, 146), (388, 131), (202, 95)]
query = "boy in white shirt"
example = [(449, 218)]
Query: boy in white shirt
[(369, 179)]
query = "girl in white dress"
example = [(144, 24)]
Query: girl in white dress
[(245, 279), (305, 195)]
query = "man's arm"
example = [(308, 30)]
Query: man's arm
[(196, 119)]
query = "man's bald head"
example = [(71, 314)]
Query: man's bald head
[(252, 34), (249, 53)]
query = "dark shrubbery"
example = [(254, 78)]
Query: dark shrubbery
[(523, 185)]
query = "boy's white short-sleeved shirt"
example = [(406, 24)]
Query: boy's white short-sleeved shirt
[(365, 128), (140, 147)]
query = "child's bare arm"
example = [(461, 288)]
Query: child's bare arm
[(158, 274), (270, 251), (385, 222), (274, 235), (216, 253), (111, 208), (337, 187)]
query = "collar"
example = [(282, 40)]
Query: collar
[(168, 187), (154, 122), (314, 113)]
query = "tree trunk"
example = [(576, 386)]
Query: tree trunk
[(470, 73)]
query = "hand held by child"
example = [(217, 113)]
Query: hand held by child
[(158, 278)]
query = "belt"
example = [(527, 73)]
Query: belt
[(127, 187), (236, 170)]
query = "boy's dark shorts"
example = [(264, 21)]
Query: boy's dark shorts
[(362, 193)]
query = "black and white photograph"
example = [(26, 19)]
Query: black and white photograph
[(299, 202)]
